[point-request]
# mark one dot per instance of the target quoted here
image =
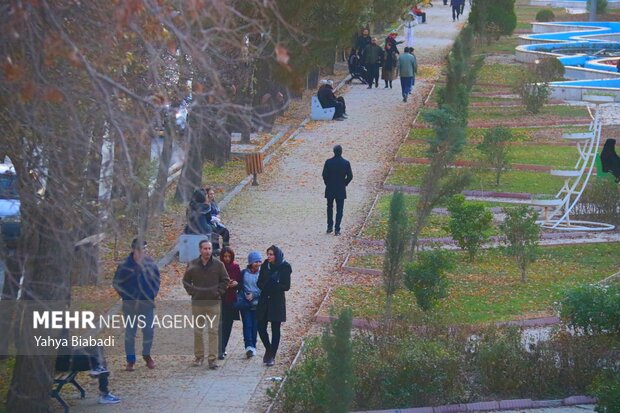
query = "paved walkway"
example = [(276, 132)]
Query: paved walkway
[(287, 209)]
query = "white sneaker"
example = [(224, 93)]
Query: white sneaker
[(248, 352), (108, 399), (253, 350)]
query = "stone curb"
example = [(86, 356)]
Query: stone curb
[(516, 166), (546, 236), (492, 405), (474, 193)]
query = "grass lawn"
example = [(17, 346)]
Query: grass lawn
[(224, 178), (499, 74), (519, 112), (505, 45), (376, 226), (511, 181), (520, 134), (527, 14), (547, 155), (490, 288)]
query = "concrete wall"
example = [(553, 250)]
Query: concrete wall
[(556, 28), (580, 73), (576, 93)]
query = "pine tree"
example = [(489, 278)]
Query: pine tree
[(340, 379)]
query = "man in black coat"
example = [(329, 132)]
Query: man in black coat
[(336, 175)]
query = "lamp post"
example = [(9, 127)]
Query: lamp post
[(593, 4)]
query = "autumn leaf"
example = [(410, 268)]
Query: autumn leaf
[(53, 95), (27, 92), (172, 47), (12, 72)]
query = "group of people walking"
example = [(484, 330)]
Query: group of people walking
[(386, 59), (219, 290), (256, 295)]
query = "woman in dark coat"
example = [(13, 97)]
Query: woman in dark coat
[(198, 215), (274, 279), (228, 313), (389, 71), (610, 161)]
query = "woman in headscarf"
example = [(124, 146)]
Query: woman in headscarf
[(274, 279), (610, 161), (228, 313), (389, 71), (198, 215)]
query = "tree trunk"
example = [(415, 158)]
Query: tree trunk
[(191, 173), (159, 189), (46, 267), (86, 264)]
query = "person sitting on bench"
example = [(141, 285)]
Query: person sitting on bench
[(418, 12), (214, 219), (328, 99), (198, 215), (610, 160), (84, 359)]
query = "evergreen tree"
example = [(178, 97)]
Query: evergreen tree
[(340, 379), (395, 244)]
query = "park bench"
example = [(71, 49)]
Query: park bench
[(60, 379), (317, 111)]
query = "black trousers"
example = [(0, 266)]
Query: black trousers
[(373, 74), (227, 318), (223, 231), (456, 12), (462, 6), (341, 107), (330, 212), (275, 336)]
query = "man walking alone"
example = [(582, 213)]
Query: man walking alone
[(206, 281), (336, 175), (408, 67)]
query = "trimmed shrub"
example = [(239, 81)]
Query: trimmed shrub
[(545, 15), (522, 236), (550, 69), (470, 224), (306, 385), (496, 149), (593, 308), (600, 201), (606, 388), (426, 277), (533, 92)]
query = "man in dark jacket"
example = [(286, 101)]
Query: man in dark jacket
[(362, 42), (456, 8), (373, 58), (206, 281), (328, 99), (137, 282), (336, 175)]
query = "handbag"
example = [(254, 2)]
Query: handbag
[(241, 303)]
